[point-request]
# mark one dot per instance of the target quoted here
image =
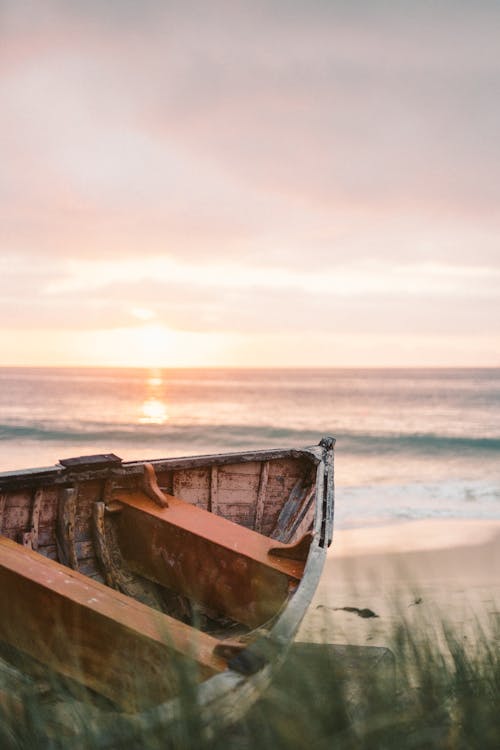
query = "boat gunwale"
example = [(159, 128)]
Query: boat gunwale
[(58, 474)]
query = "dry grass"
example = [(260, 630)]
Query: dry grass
[(431, 699)]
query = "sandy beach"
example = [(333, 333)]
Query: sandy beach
[(421, 573)]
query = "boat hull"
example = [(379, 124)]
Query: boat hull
[(259, 523)]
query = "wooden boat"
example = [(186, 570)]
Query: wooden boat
[(121, 577)]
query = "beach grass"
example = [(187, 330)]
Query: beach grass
[(431, 690)]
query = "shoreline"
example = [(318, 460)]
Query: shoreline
[(416, 535), (420, 574)]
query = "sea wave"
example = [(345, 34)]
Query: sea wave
[(364, 505), (246, 436)]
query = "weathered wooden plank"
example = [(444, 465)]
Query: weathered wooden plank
[(197, 478), (30, 537), (11, 534), (247, 469), (88, 493), (19, 499), (205, 557), (94, 461), (237, 482), (50, 551), (237, 515), (107, 490), (228, 506), (165, 481), (48, 509), (58, 475), (214, 490), (84, 533), (287, 467), (279, 487), (246, 497), (84, 550), (294, 510), (95, 635), (3, 504), (175, 483), (89, 567), (65, 533), (314, 454), (192, 497), (101, 546), (269, 521), (47, 535), (16, 517), (193, 486), (261, 495), (304, 524)]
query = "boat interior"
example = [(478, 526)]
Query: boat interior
[(109, 572)]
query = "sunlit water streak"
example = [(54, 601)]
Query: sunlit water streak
[(411, 443), (154, 408)]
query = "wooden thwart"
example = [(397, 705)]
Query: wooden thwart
[(95, 635), (229, 568)]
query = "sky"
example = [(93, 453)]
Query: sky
[(299, 183)]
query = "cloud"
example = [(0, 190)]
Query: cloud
[(356, 299), (265, 140)]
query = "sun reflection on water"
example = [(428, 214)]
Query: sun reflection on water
[(153, 412), (153, 408)]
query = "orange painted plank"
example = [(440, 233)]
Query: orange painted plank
[(93, 634), (209, 559), (218, 530)]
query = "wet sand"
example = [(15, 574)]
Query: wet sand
[(418, 574)]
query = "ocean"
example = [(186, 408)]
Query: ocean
[(411, 443)]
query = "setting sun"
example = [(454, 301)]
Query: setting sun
[(151, 345)]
